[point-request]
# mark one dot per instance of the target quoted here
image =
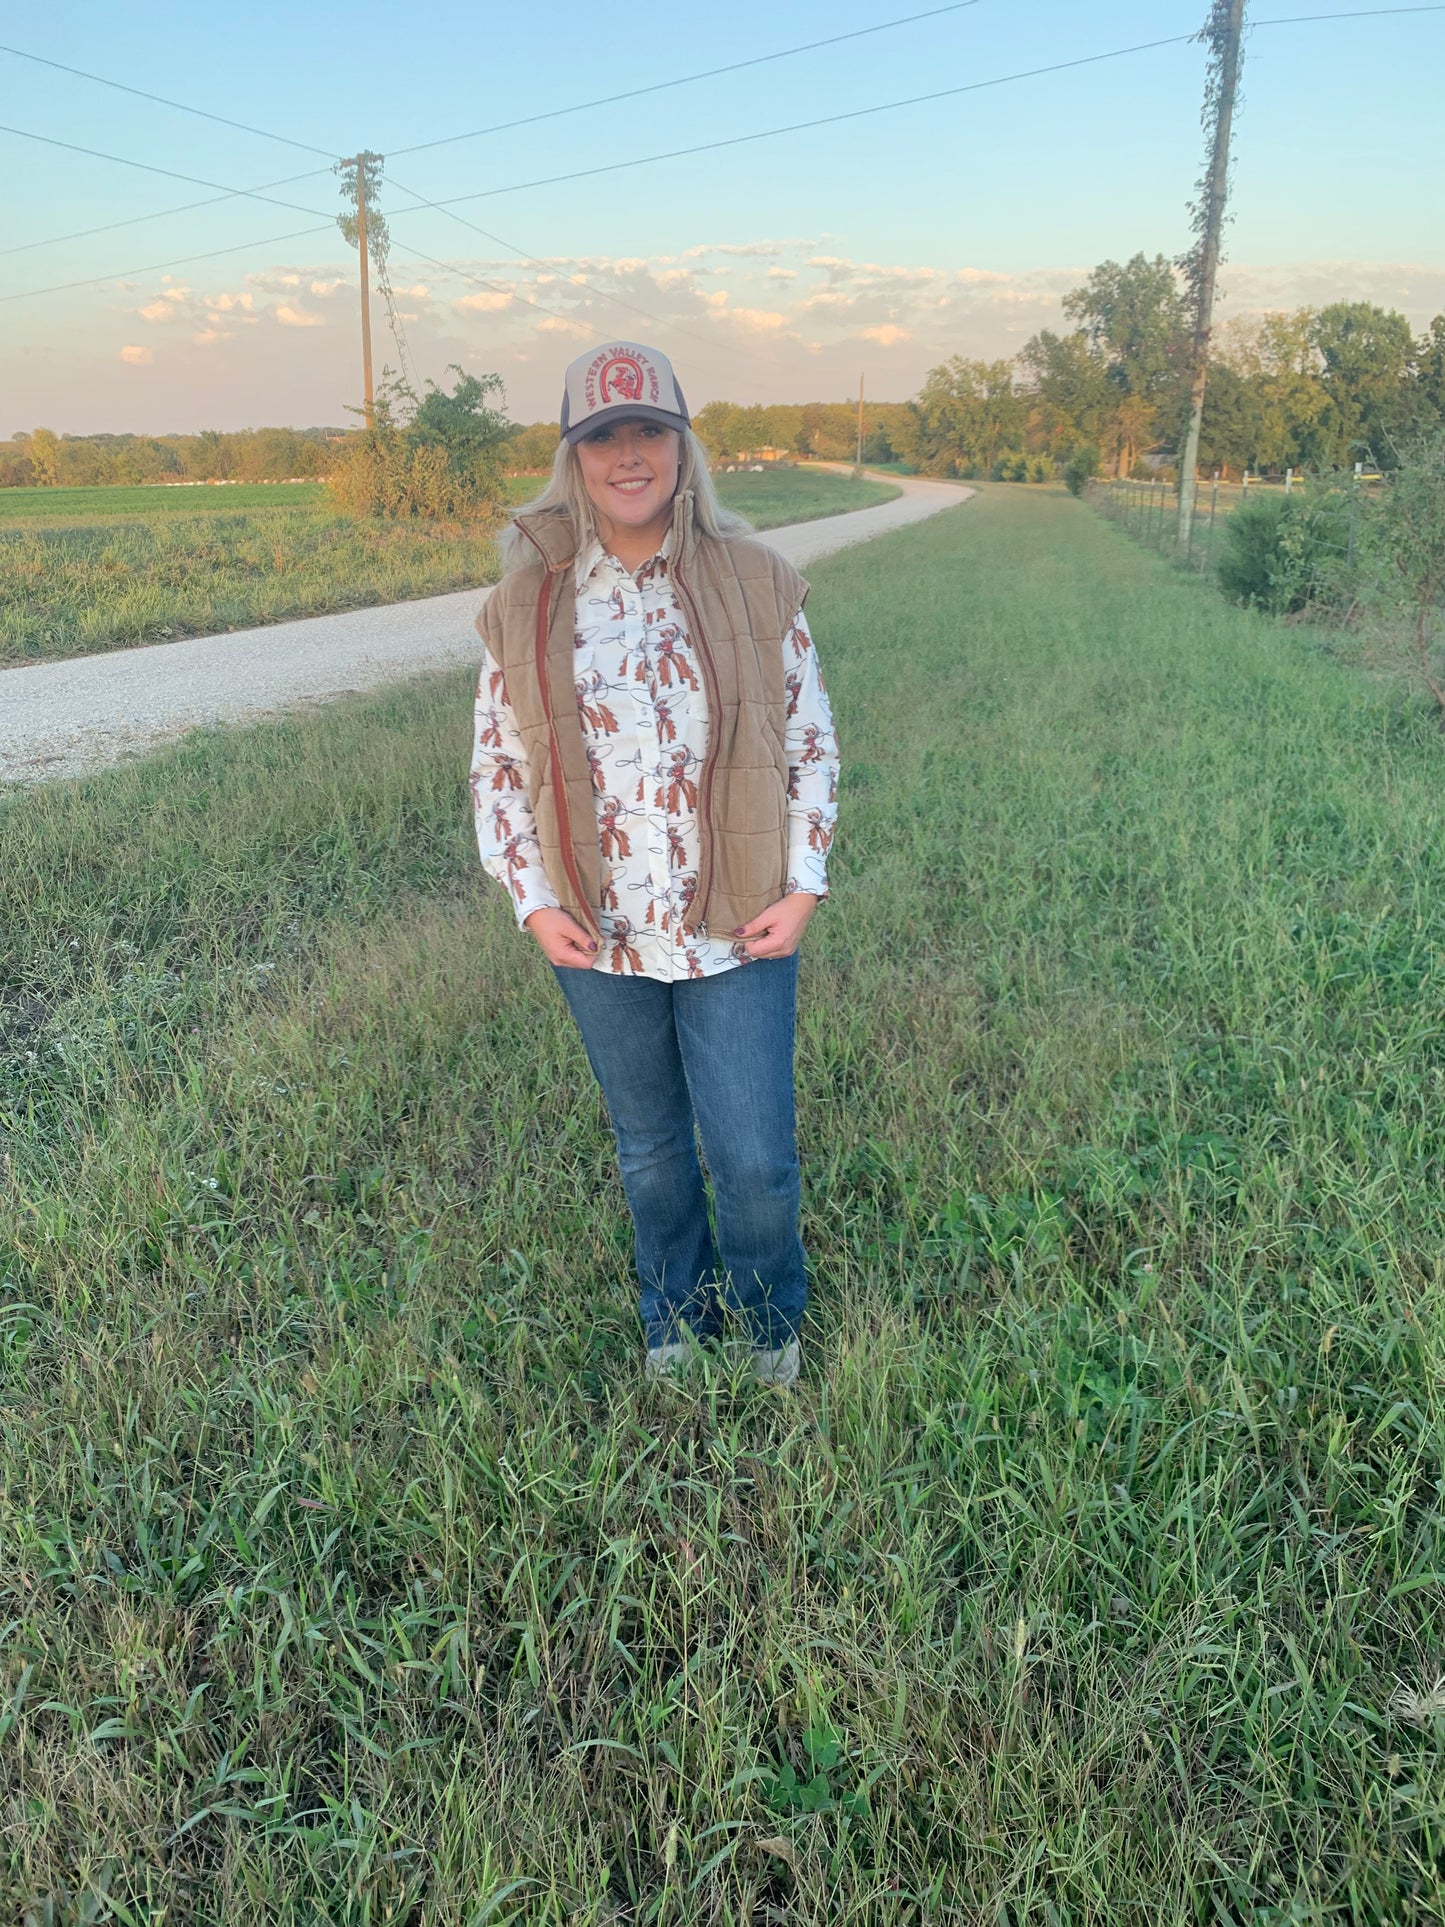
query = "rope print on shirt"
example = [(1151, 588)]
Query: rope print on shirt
[(644, 728)]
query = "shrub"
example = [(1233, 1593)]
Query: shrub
[(1285, 553), (1402, 563), (1251, 562), (443, 461), (1081, 468), (529, 450), (1014, 466)]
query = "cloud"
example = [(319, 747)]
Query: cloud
[(756, 321), (324, 288), (887, 334), (486, 301), (290, 317), (167, 304), (137, 357)]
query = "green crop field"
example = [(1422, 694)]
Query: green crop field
[(89, 505), (82, 570), (353, 1573)]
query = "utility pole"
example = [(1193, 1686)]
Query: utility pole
[(858, 462), (1222, 32), (359, 164)]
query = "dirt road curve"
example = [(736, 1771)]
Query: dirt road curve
[(63, 718)]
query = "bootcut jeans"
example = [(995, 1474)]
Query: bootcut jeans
[(715, 1055)]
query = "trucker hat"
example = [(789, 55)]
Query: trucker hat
[(620, 381)]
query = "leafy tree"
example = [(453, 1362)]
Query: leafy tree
[(531, 449), (1067, 378), (1233, 430), (966, 413), (1294, 400), (1368, 357), (1430, 371), (44, 453), (1133, 314)]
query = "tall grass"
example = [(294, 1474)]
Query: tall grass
[(354, 1573), (85, 574)]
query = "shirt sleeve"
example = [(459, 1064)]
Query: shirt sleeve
[(810, 744), (506, 827)]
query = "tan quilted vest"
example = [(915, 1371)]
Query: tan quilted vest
[(740, 598)]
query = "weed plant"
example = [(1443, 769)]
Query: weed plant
[(352, 1571)]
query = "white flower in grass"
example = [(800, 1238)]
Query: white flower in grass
[(1419, 1708)]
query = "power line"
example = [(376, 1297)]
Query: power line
[(738, 140), (160, 100), (146, 167), (684, 80), (805, 126), (892, 106), (182, 261), (189, 207), (259, 193)]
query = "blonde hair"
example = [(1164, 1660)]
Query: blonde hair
[(566, 494)]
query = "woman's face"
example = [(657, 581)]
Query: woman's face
[(629, 470)]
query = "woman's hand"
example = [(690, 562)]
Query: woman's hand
[(779, 930), (562, 940)]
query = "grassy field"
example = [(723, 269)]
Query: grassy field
[(353, 1573), (83, 570), (88, 505)]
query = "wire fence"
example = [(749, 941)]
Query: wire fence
[(1149, 511)]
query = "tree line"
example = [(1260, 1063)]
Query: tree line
[(43, 459), (1315, 388)]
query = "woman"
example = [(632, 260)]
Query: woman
[(654, 778)]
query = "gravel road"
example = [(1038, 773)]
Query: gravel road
[(63, 718)]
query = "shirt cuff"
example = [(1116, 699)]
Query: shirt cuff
[(531, 891)]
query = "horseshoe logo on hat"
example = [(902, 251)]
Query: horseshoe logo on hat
[(620, 379)]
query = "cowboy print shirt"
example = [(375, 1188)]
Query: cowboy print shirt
[(644, 725)]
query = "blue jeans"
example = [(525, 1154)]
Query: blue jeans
[(717, 1052)]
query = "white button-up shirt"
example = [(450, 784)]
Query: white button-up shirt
[(644, 726)]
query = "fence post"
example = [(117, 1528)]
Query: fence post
[(1288, 480), (1244, 486), (1213, 511), (1354, 514)]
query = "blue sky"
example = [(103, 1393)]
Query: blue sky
[(774, 270)]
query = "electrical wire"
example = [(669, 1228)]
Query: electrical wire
[(892, 106), (181, 261), (738, 140), (160, 100), (684, 80), (260, 192), (189, 207), (146, 167)]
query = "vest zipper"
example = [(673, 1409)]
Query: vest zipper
[(709, 762), (559, 780)]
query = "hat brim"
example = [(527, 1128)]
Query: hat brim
[(625, 411)]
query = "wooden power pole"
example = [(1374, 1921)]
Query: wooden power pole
[(858, 462), (368, 391), (1223, 32)]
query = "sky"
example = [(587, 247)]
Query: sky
[(780, 269)]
